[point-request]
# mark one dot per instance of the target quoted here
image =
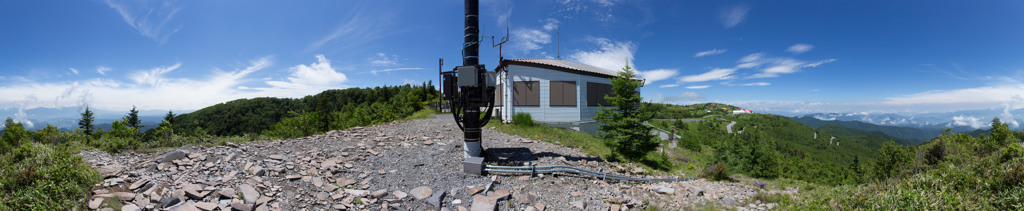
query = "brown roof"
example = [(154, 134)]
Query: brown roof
[(562, 65)]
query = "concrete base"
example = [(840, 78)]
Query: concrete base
[(473, 165)]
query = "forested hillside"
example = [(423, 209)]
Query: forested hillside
[(328, 110), (771, 146), (907, 135)]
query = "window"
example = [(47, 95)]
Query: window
[(526, 93), (596, 93), (563, 93)]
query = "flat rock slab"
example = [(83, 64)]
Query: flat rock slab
[(249, 193), (421, 192)]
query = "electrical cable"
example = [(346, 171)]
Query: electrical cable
[(571, 169)]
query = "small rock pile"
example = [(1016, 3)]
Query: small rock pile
[(409, 165)]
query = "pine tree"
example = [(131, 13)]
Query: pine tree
[(133, 118), (623, 126), (169, 118), (86, 122)]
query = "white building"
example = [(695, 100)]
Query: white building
[(551, 90)]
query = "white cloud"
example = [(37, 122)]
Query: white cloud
[(734, 15), (786, 66), (374, 72), (151, 18), (382, 59), (709, 53), (969, 121), (73, 70), (154, 76), (551, 24), (656, 75), (698, 87), (965, 98), (610, 55), (668, 86), (102, 70), (799, 48), (691, 96), (527, 40), (319, 74), (147, 89), (750, 61), (757, 84), (715, 74)]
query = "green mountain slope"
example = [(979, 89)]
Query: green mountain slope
[(790, 149), (908, 135)]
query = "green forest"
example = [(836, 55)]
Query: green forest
[(858, 169), (39, 168)]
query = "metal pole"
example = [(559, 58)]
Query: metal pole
[(471, 111)]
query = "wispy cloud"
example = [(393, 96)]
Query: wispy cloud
[(153, 77), (715, 74), (360, 28), (374, 72), (757, 84), (786, 66), (734, 15), (102, 70), (709, 53), (526, 40), (698, 87), (610, 55), (800, 48), (691, 96), (657, 75), (73, 70), (383, 59), (668, 86), (969, 97), (151, 18)]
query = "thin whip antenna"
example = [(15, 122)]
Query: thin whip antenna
[(558, 40)]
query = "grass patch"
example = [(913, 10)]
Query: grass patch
[(421, 114), (42, 177), (586, 143)]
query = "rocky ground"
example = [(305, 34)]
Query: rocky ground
[(410, 165)]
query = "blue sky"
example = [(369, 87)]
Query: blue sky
[(770, 56)]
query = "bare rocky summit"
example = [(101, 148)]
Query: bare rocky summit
[(407, 165)]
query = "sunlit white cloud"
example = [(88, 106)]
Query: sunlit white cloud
[(969, 97), (73, 70), (969, 121), (656, 75), (527, 40), (777, 67), (551, 24), (668, 86), (698, 87), (800, 48), (152, 19), (148, 89), (715, 74), (734, 15), (307, 79), (610, 55), (757, 84), (709, 53)]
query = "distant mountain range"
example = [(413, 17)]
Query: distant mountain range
[(960, 121), (67, 118), (898, 134)]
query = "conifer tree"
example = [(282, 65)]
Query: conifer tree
[(623, 126)]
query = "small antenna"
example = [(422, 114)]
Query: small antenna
[(558, 40), (501, 43)]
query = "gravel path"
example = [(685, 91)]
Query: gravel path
[(409, 165)]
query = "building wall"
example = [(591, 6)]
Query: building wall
[(545, 112)]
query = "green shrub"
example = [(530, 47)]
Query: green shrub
[(39, 177), (523, 120), (717, 171)]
